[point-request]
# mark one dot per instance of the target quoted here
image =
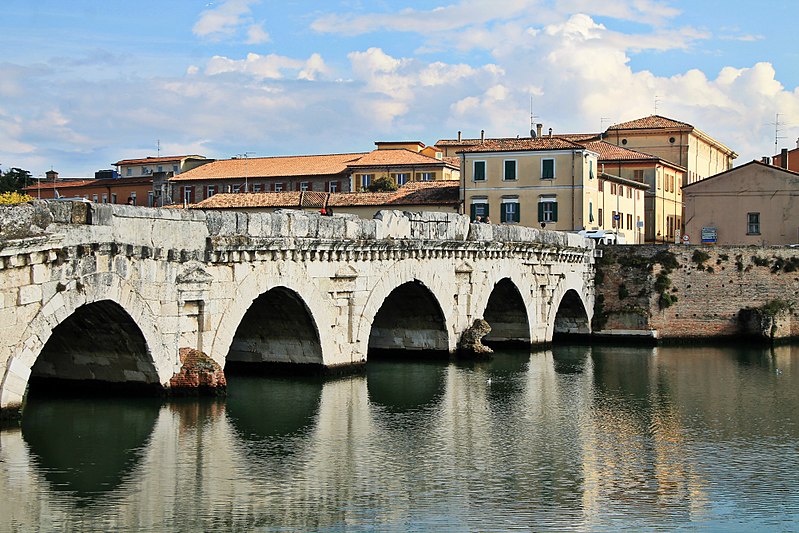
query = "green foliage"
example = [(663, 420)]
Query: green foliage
[(760, 261), (668, 261), (600, 318), (786, 265), (739, 264), (599, 277), (775, 307), (723, 257), (662, 283), (666, 300), (623, 292), (14, 198), (382, 184), (15, 179), (700, 257)]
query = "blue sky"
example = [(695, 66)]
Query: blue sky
[(86, 83)]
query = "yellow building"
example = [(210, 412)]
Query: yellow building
[(663, 205), (548, 182), (676, 142)]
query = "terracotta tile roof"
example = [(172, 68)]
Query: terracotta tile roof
[(414, 193), (452, 161), (394, 157), (455, 142), (611, 152), (650, 122), (272, 167), (580, 137), (155, 160), (522, 144)]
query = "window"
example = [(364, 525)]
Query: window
[(332, 186), (187, 195), (129, 171), (303, 186), (160, 168), (94, 198), (427, 176), (366, 180), (753, 223), (548, 169), (510, 210), (402, 178), (548, 209), (175, 169), (510, 169), (278, 187), (591, 169), (621, 190), (600, 184), (150, 199), (479, 208), (105, 197), (613, 188), (133, 197), (237, 188), (113, 197), (638, 175), (210, 191), (629, 222), (479, 171), (256, 187), (629, 192), (599, 214)]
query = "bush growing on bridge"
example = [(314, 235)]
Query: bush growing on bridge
[(14, 198)]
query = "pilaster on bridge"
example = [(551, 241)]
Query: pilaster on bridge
[(107, 293)]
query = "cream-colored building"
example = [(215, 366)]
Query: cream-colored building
[(663, 206), (755, 204), (676, 142), (402, 162), (147, 166), (548, 182)]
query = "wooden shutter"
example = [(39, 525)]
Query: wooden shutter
[(540, 211), (503, 213), (554, 211), (474, 212), (518, 215)]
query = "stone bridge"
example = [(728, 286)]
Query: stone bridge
[(111, 294)]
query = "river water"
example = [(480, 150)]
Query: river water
[(574, 438)]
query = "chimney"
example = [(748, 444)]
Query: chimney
[(459, 136), (766, 160), (538, 128), (482, 135), (51, 175), (550, 132), (784, 158)]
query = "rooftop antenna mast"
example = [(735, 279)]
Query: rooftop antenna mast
[(532, 118), (777, 135), (158, 144), (657, 101)]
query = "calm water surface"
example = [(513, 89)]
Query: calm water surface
[(574, 438)]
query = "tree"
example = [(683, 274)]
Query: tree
[(382, 184), (14, 180)]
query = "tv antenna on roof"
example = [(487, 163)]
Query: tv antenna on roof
[(602, 121), (532, 119), (657, 101), (158, 145), (777, 135)]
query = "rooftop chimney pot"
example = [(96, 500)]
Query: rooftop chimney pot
[(482, 135), (459, 136), (538, 128)]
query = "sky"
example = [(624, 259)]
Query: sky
[(86, 83)]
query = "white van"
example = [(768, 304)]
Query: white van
[(603, 236)]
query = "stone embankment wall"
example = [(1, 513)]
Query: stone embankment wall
[(676, 291)]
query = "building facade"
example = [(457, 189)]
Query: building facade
[(147, 166), (754, 204), (551, 183), (401, 163), (676, 142)]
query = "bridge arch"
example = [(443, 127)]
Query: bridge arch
[(570, 312), (298, 302), (399, 284), (502, 302), (102, 299)]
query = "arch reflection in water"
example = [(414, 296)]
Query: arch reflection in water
[(572, 359), (400, 386), (264, 410), (85, 445)]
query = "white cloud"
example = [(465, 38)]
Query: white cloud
[(224, 20), (270, 66), (257, 35)]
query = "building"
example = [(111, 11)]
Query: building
[(147, 166), (436, 196), (548, 182), (676, 142), (322, 173), (138, 191), (753, 204), (663, 202), (402, 162), (788, 159)]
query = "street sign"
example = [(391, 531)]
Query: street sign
[(617, 217), (709, 235)]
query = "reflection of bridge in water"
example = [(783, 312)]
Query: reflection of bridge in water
[(582, 428), (109, 294)]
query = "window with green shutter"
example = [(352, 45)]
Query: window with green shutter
[(479, 209), (547, 210), (548, 169), (510, 169), (479, 171), (510, 212)]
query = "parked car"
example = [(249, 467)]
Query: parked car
[(603, 236)]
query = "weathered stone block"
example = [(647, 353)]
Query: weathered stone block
[(29, 294)]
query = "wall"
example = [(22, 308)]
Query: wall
[(701, 297)]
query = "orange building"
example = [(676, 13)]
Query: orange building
[(139, 191)]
